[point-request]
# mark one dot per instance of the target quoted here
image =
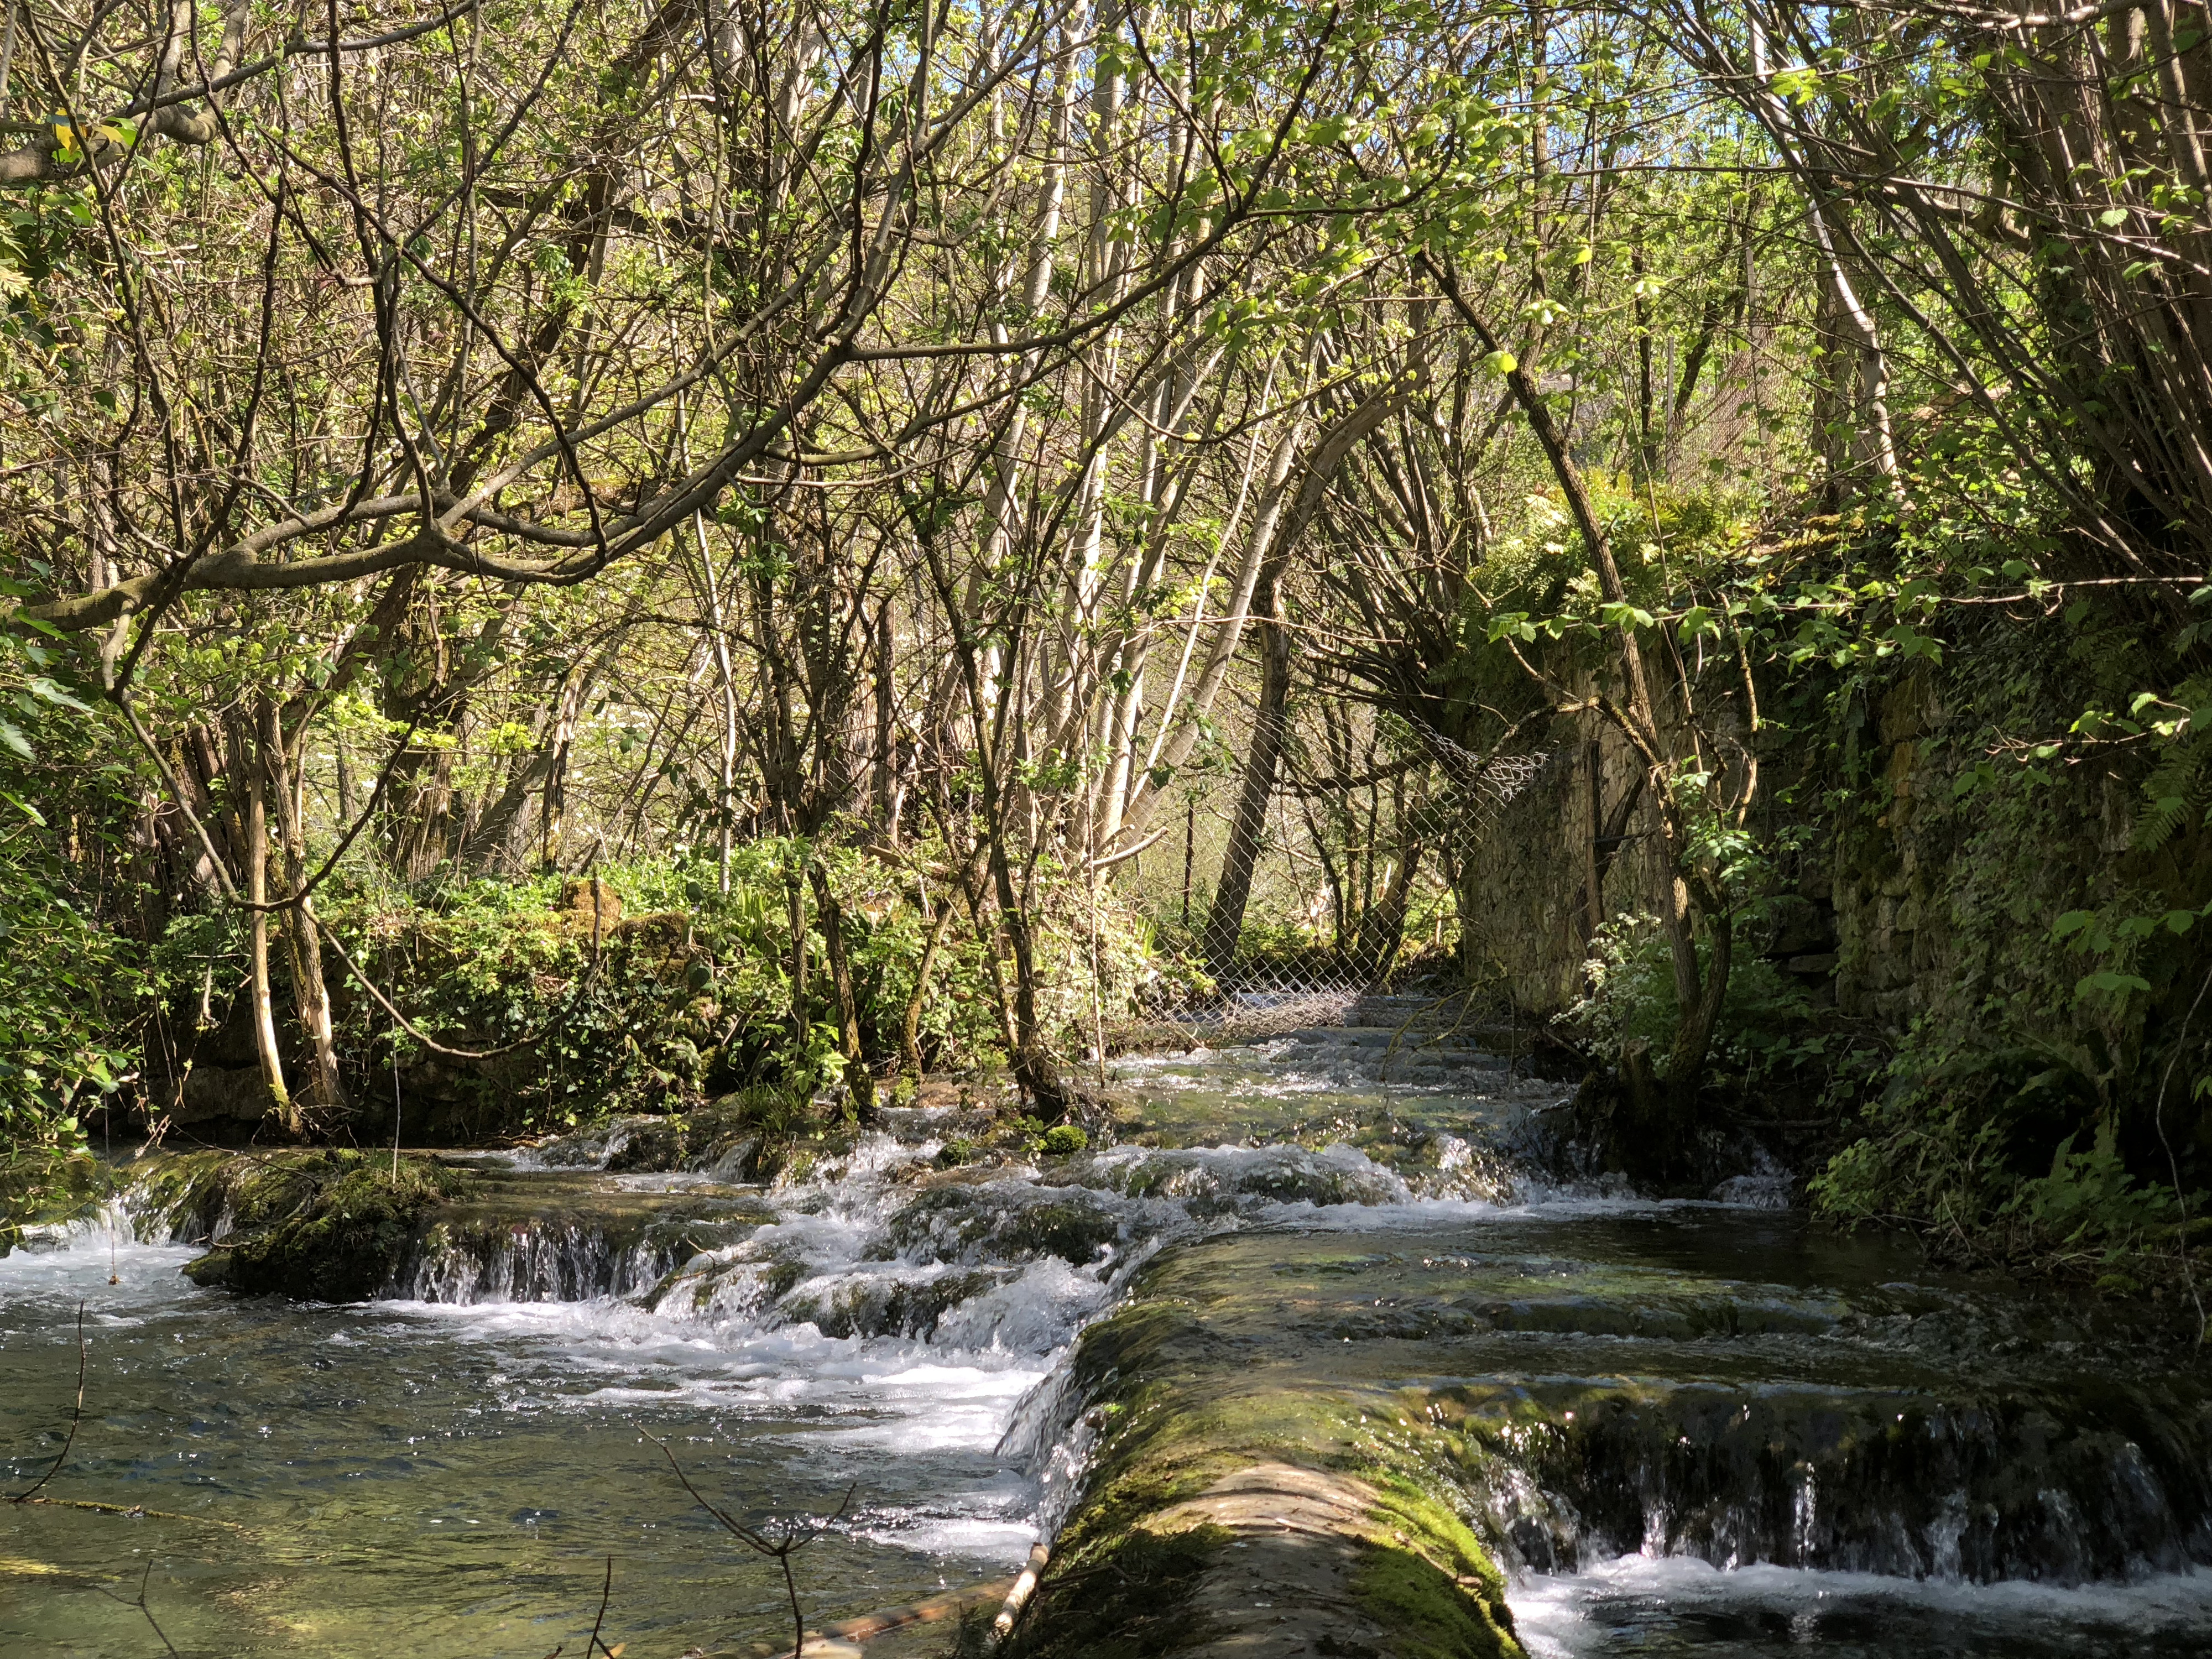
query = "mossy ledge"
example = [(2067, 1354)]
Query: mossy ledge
[(324, 1226), (1234, 1507)]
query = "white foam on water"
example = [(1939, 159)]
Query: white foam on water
[(1568, 1615), (871, 1242), (975, 1536), (74, 1261)]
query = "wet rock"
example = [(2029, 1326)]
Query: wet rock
[(1006, 1220), (886, 1303), (40, 1194), (326, 1226), (2064, 1486), (1231, 1512), (752, 1135)]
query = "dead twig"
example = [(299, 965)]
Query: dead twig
[(780, 1550), (599, 1622), (139, 1602), (75, 1417)]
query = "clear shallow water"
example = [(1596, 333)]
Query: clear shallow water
[(448, 1469), (336, 1479)]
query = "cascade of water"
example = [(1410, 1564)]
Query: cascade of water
[(1690, 1384)]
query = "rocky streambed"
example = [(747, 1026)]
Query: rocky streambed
[(1331, 1348)]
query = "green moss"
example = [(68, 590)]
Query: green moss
[(1428, 1614), (1426, 1577), (1177, 1410), (1129, 1598), (1073, 1232), (41, 1186), (331, 1226), (181, 1195)]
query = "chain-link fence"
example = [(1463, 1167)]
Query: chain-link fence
[(1280, 976)]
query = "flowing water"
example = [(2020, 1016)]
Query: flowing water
[(1711, 1429)]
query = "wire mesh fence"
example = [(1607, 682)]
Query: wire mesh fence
[(1447, 797)]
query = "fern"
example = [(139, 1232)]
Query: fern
[(2179, 788), (2172, 791)]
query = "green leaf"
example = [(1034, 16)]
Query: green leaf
[(50, 691), (2108, 982), (1501, 362)]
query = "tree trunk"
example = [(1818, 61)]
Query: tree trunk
[(244, 764), (1696, 1018), (1699, 991), (910, 1023), (794, 899), (1383, 926), (1034, 1068), (832, 912), (1224, 923), (311, 993), (883, 772)]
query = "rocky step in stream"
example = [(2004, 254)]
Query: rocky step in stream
[(1486, 1403)]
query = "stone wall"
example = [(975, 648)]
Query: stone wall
[(1524, 881), (1871, 908)]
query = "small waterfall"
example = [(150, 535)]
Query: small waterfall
[(528, 1261), (1051, 1436), (2019, 1486)]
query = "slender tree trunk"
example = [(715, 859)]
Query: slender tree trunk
[(245, 764), (1382, 926), (1696, 1018), (725, 676), (832, 912), (886, 739), (795, 905), (1699, 988), (1034, 1067), (910, 1023), (310, 990), (1225, 921)]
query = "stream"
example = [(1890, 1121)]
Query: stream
[(1726, 1433)]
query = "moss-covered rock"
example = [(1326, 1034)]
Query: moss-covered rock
[(753, 1135), (326, 1226), (47, 1186), (1236, 1503)]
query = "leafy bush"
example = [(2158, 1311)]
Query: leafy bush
[(1631, 995), (1954, 1146), (692, 992), (71, 987)]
